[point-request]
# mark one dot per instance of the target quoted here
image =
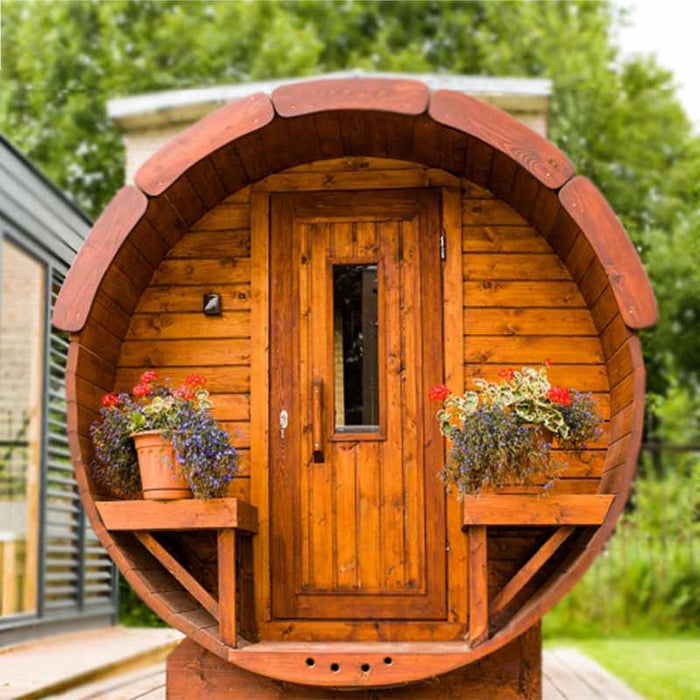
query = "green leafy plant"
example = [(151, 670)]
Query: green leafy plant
[(503, 433), (203, 450), (646, 582)]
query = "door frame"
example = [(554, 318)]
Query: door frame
[(290, 213), (453, 302)]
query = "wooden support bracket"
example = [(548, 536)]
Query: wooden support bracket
[(188, 582), (225, 515), (533, 565), (478, 586), (480, 610), (227, 585)]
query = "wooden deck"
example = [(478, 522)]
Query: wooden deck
[(568, 675), (49, 666)]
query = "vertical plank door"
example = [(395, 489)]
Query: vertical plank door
[(357, 508)]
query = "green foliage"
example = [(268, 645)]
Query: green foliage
[(657, 668), (133, 612), (620, 122), (503, 433), (204, 455), (648, 578)]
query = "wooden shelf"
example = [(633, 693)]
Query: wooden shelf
[(526, 509), (228, 516), (563, 511), (185, 514)]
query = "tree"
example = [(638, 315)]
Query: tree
[(620, 123)]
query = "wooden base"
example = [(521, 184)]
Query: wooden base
[(514, 671)]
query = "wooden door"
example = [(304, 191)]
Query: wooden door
[(357, 509)]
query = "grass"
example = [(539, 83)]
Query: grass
[(658, 669)]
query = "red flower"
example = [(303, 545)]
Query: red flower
[(560, 395), (439, 392), (507, 373), (149, 377), (142, 390), (110, 400), (185, 392), (548, 362), (195, 380)]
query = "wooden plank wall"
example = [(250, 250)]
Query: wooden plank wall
[(169, 333), (521, 308)]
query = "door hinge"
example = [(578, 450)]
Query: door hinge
[(443, 246)]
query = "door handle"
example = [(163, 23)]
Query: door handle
[(284, 422), (317, 419)]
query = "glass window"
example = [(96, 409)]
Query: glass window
[(356, 356), (22, 318)]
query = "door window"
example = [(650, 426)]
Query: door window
[(355, 345)]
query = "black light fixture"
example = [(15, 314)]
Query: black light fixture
[(211, 304)]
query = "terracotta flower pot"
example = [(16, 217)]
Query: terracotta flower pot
[(160, 477)]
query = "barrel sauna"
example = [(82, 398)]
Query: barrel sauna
[(337, 560)]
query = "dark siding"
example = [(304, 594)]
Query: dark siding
[(39, 210), (77, 582)]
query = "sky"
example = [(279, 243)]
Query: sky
[(668, 29)]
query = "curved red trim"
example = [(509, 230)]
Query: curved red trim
[(506, 134), (200, 140), (111, 229), (455, 110), (376, 94), (584, 203)]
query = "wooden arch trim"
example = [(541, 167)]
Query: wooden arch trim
[(510, 137), (587, 207), (139, 229), (244, 141), (97, 254), (201, 140), (375, 94)]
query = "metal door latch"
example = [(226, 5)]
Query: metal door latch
[(284, 422)]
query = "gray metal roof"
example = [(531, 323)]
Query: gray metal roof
[(173, 106), (33, 208)]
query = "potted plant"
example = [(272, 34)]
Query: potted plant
[(162, 442), (502, 434)]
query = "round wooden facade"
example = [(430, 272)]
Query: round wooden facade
[(359, 570)]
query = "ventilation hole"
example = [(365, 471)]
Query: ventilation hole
[(310, 662), (388, 660), (335, 667), (365, 668)]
